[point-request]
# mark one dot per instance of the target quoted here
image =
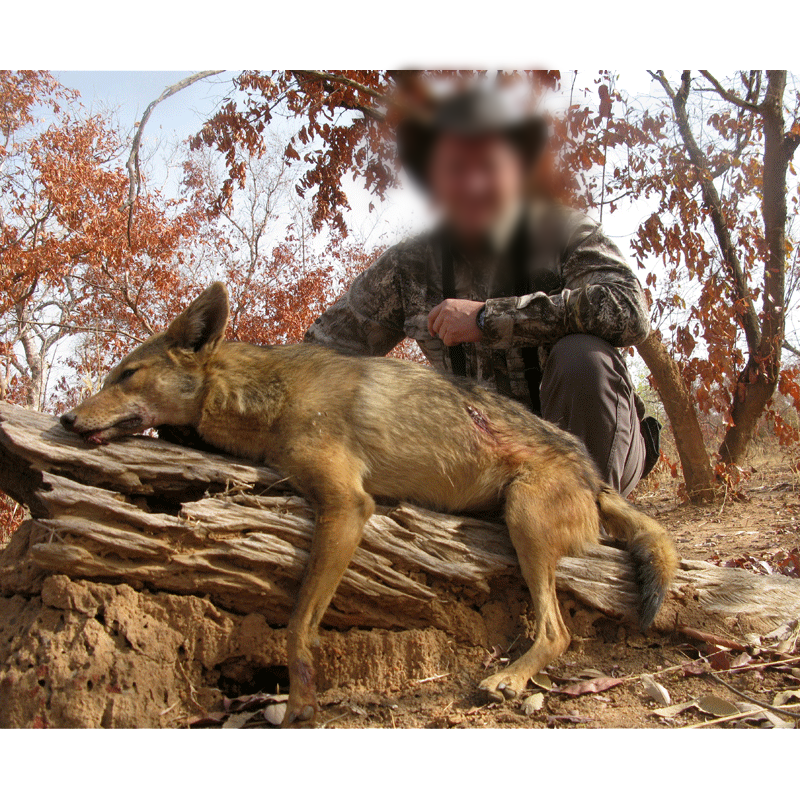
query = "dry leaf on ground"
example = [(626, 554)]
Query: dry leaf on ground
[(716, 706), (237, 720), (590, 687), (673, 711), (532, 704), (656, 691), (542, 681), (274, 713)]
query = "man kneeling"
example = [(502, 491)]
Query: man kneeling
[(526, 296)]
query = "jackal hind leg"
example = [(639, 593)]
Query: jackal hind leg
[(544, 525), (342, 509)]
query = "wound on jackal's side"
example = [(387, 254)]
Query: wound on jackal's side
[(480, 420)]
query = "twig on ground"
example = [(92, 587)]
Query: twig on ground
[(328, 722), (433, 678), (708, 722), (167, 710), (746, 668), (710, 638), (750, 667), (628, 678), (192, 690), (776, 709)]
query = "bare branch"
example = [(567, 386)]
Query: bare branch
[(665, 84), (92, 329), (713, 203), (132, 164), (742, 140), (343, 80), (726, 94)]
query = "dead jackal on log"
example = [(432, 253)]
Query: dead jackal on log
[(345, 430)]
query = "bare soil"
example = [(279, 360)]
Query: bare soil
[(85, 654)]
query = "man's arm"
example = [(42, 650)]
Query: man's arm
[(368, 319), (601, 297)]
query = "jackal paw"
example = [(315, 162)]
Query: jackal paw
[(504, 686), (301, 708), (298, 716)]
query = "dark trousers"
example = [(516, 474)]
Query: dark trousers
[(586, 390)]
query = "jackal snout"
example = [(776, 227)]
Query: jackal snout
[(68, 420)]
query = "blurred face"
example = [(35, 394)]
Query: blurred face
[(475, 182)]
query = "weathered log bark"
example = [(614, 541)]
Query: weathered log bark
[(163, 517)]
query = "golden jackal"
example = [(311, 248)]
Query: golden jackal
[(349, 429)]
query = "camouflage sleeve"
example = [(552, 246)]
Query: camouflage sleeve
[(367, 320), (601, 296)]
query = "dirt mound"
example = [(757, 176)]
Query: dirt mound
[(95, 655)]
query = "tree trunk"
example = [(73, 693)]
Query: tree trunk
[(753, 392), (680, 408), (162, 517), (758, 380), (33, 389)]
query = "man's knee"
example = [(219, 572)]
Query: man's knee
[(580, 360), (586, 389)]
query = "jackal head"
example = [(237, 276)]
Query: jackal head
[(161, 381)]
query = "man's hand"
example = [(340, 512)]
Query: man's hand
[(454, 321)]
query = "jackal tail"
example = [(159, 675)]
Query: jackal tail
[(650, 546)]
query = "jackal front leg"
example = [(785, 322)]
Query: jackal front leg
[(340, 520)]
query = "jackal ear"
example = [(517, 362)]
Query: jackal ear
[(202, 324)]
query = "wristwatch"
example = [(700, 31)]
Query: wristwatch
[(480, 320)]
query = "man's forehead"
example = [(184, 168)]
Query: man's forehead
[(450, 142)]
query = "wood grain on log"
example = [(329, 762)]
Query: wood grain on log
[(160, 516)]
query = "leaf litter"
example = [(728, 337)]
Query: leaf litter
[(245, 711), (656, 691)]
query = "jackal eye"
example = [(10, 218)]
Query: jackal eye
[(126, 374)]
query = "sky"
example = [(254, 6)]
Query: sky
[(128, 94)]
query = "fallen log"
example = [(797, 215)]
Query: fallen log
[(159, 516)]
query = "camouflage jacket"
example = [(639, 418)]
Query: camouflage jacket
[(579, 279)]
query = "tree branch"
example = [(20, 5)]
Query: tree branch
[(343, 80), (726, 94), (713, 203), (90, 329), (132, 164), (791, 348), (665, 84)]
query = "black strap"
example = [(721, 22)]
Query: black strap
[(651, 430), (520, 249), (458, 358)]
